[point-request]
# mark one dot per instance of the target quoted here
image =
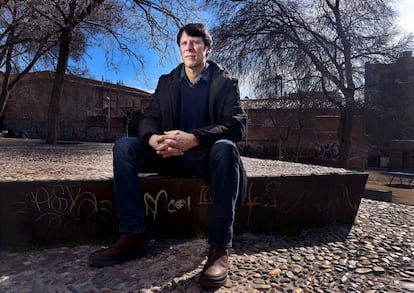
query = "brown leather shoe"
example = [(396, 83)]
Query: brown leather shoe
[(215, 270), (127, 247)]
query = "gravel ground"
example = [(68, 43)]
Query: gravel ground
[(374, 255), (25, 160)]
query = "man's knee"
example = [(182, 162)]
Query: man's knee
[(125, 145), (224, 148)]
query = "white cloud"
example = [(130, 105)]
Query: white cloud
[(406, 18)]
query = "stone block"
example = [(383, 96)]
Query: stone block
[(51, 212), (381, 195)]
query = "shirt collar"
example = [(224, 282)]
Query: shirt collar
[(204, 75)]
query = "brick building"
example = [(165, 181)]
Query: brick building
[(303, 127), (90, 110), (389, 96)]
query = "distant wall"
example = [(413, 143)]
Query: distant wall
[(312, 136), (84, 109), (402, 155)]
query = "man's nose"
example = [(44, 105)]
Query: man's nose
[(190, 46)]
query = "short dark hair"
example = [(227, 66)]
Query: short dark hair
[(196, 30)]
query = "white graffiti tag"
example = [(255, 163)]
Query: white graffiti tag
[(62, 205), (151, 204), (173, 205)]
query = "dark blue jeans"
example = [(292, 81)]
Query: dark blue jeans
[(220, 164)]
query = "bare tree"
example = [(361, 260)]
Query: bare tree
[(127, 23), (67, 17), (24, 39), (333, 38)]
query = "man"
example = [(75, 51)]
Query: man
[(190, 129)]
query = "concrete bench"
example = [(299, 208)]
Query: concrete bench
[(50, 212), (380, 195), (401, 175)]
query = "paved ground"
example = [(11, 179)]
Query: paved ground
[(374, 255), (401, 193)]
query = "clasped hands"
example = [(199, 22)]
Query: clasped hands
[(172, 143)]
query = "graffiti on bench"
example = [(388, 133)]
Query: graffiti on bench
[(60, 205), (171, 206), (59, 211), (273, 195), (268, 200), (161, 202), (205, 196), (269, 194)]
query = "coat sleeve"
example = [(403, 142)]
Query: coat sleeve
[(150, 123)]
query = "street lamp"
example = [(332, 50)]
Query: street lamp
[(246, 147), (109, 114)]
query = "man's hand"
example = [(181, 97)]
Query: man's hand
[(173, 143)]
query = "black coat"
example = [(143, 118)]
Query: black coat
[(228, 120)]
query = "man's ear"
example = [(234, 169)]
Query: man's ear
[(208, 51)]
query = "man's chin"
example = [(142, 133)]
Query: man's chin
[(193, 65)]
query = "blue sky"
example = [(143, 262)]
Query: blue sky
[(152, 68), (126, 73)]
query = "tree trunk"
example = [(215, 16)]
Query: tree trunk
[(298, 143), (55, 97), (299, 138), (4, 95), (345, 135)]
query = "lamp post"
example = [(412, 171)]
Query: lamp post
[(278, 78), (246, 147), (109, 115)]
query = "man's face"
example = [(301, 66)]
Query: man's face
[(193, 51)]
